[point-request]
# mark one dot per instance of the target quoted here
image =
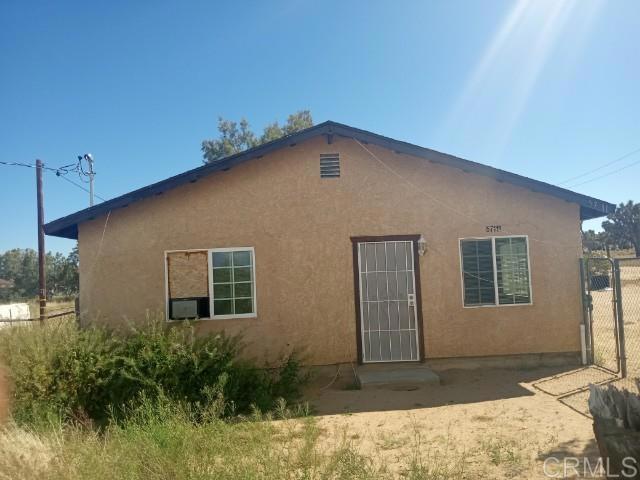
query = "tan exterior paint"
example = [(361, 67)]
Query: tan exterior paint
[(300, 226)]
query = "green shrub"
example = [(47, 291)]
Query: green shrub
[(93, 374)]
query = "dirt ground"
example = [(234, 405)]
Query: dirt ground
[(493, 423), (477, 424)]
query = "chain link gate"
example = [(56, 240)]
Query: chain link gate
[(611, 303), (600, 302), (625, 298)]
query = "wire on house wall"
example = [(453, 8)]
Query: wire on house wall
[(452, 209)]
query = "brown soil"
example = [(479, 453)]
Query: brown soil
[(492, 422)]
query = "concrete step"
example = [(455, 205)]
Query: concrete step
[(396, 376)]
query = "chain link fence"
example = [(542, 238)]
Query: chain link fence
[(628, 273), (611, 291)]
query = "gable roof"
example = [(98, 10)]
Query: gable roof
[(67, 227)]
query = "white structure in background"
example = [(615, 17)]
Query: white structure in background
[(15, 311)]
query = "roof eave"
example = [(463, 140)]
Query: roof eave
[(67, 227), (587, 213)]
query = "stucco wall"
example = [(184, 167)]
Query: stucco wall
[(300, 226)]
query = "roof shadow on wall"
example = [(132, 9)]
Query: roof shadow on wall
[(457, 387)]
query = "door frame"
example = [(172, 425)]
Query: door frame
[(418, 290)]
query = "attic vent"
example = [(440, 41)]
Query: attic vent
[(329, 165)]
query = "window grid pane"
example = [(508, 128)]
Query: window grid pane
[(232, 282), (510, 281), (477, 268), (512, 270)]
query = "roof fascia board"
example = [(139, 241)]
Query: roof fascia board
[(67, 226)]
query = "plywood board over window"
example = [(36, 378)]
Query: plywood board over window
[(187, 274)]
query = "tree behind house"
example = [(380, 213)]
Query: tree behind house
[(236, 137), (622, 228), (20, 268), (593, 241)]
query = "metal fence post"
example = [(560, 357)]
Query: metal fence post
[(620, 318), (585, 312)]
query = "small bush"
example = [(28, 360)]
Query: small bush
[(59, 371)]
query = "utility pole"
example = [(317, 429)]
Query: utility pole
[(42, 280), (89, 158)]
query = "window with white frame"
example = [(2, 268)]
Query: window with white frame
[(495, 271), (233, 282), (213, 283)]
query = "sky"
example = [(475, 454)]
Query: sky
[(543, 88)]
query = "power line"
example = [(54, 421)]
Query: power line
[(63, 170), (60, 172), (606, 174), (626, 155), (80, 186), (18, 164)]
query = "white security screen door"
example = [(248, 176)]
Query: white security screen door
[(388, 312)]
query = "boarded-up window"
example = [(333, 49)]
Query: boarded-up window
[(218, 283), (188, 284)]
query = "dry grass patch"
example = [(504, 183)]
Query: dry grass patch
[(161, 442)]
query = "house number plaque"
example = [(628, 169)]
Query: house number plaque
[(493, 228)]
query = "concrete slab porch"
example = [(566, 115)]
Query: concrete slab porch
[(403, 376)]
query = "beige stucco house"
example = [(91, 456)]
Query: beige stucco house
[(347, 245)]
